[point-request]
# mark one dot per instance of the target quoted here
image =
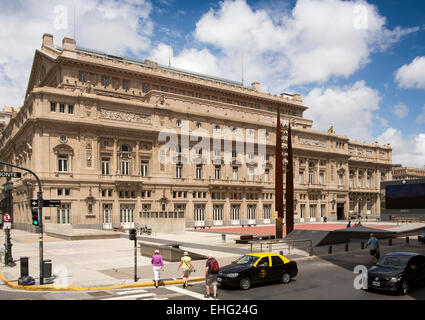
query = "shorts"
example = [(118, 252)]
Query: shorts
[(186, 273), (211, 279), (375, 253)]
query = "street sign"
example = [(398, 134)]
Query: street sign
[(10, 174), (51, 203), (34, 203), (274, 214), (7, 225), (6, 217)]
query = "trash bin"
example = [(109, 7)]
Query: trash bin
[(24, 267), (47, 268)]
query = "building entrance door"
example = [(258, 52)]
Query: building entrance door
[(127, 216), (107, 216), (340, 211)]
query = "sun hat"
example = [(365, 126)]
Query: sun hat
[(185, 253), (156, 251)]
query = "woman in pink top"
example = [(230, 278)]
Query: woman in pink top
[(157, 265)]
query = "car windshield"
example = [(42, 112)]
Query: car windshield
[(395, 262), (246, 260)]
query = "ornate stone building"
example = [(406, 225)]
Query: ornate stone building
[(90, 127)]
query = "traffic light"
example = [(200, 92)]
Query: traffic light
[(132, 235), (34, 216)]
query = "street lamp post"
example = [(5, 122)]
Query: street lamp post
[(40, 216), (8, 187)]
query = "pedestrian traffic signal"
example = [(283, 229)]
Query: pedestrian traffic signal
[(34, 216), (132, 234)]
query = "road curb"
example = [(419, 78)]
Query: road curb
[(121, 286)]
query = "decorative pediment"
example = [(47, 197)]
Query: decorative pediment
[(63, 149)]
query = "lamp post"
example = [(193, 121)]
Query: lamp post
[(8, 187)]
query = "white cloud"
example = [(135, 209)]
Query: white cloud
[(188, 59), (350, 109), (421, 117), (408, 151), (312, 43), (412, 75), (400, 111), (105, 25)]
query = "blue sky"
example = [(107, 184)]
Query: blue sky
[(359, 65)]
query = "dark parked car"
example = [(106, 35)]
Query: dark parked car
[(256, 268), (397, 272), (422, 238)]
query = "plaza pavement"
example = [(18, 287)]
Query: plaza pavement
[(109, 263)]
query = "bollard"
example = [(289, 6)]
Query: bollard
[(362, 245), (223, 237), (330, 250), (407, 240), (346, 246), (390, 242)]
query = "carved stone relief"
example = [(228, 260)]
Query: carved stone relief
[(125, 116)]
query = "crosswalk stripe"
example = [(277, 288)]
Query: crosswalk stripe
[(188, 292), (132, 291), (131, 297)]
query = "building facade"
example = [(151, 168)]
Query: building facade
[(406, 173), (92, 128)]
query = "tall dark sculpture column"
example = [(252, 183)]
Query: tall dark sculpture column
[(289, 214), (278, 180)]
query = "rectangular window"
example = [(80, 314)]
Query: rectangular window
[(52, 106), (145, 168), (104, 81), (321, 178), (267, 175), (179, 171), (70, 108), (125, 167), (235, 173), (311, 178), (126, 85), (60, 192), (106, 166), (217, 172), (301, 177), (340, 178), (199, 171), (63, 163), (62, 107), (145, 87), (250, 174), (82, 76)]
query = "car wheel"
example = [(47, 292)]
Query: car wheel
[(245, 283), (286, 278), (404, 288)]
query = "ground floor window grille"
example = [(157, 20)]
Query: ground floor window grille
[(64, 214)]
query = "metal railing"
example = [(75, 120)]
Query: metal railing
[(279, 244)]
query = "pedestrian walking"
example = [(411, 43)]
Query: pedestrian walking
[(187, 268), (373, 245), (157, 265), (349, 223), (211, 272)]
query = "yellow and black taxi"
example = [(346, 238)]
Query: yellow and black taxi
[(257, 268)]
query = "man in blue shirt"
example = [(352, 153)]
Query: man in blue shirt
[(373, 245)]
